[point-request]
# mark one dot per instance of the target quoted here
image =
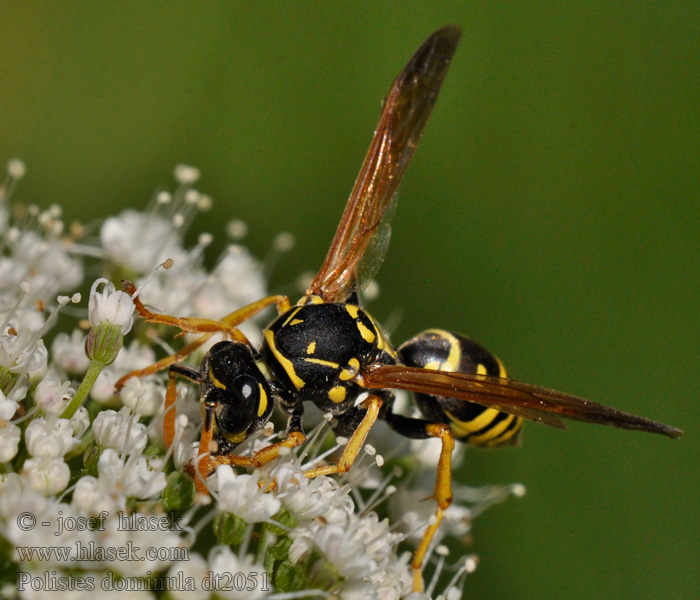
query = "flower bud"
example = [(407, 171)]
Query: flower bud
[(110, 306)]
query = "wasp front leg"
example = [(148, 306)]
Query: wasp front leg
[(208, 462), (170, 417), (198, 325), (294, 438), (228, 326)]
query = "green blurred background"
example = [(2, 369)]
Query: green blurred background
[(552, 213)]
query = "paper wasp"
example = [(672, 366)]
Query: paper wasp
[(328, 350)]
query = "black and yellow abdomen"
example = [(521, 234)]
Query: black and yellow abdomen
[(469, 423), (316, 349)]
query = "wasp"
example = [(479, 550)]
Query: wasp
[(327, 349)]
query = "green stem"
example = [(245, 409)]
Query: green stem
[(93, 372)]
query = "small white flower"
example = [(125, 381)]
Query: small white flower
[(391, 582), (357, 589), (132, 357), (139, 241), (196, 568), (103, 390), (240, 495), (150, 547), (9, 440), (301, 547), (240, 275), (186, 175), (46, 475), (11, 493), (93, 496), (144, 397), (138, 477), (347, 555), (427, 453), (22, 353), (120, 431), (52, 395), (49, 438), (110, 306), (304, 498), (44, 263), (223, 563), (80, 422), (110, 467), (16, 168), (8, 407), (144, 477), (68, 352)]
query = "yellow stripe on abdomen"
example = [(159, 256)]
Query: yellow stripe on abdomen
[(461, 429)]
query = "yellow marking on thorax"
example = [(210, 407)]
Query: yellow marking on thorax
[(290, 317), (366, 334), (310, 300), (325, 363), (353, 310), (337, 394), (481, 370), (215, 381), (283, 360), (380, 337), (262, 406), (350, 371), (311, 348), (296, 321)]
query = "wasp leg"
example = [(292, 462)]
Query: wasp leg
[(196, 325), (208, 462), (169, 413), (226, 325), (162, 364), (372, 405), (203, 465), (422, 429), (295, 437), (262, 456)]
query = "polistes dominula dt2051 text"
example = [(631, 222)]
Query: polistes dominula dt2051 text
[(328, 350)]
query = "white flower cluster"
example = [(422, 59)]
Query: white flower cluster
[(91, 494)]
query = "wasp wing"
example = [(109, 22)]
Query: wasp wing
[(507, 395), (362, 236)]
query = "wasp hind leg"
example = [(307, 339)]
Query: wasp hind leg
[(422, 429)]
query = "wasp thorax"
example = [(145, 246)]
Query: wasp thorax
[(317, 350)]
